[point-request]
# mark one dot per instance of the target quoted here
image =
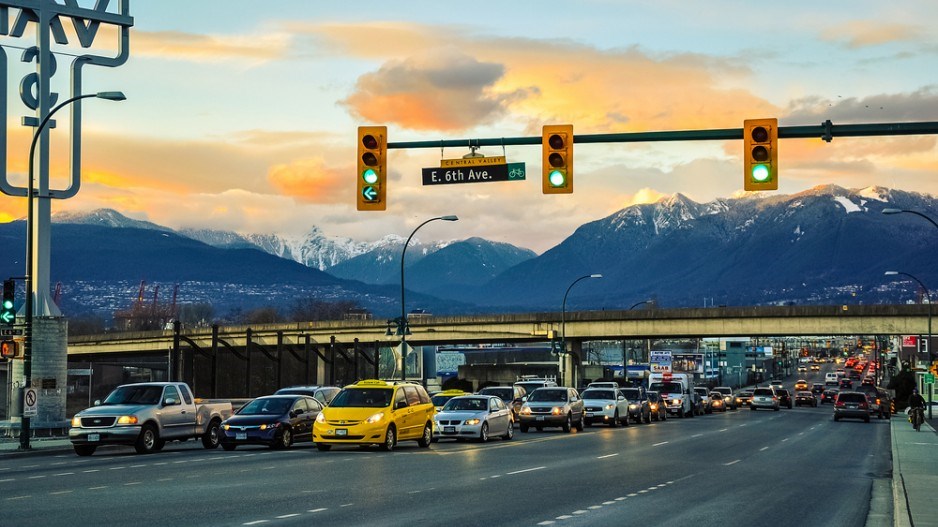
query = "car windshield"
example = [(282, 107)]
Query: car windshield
[(363, 398), (744, 394), (702, 391), (267, 406), (653, 397), (530, 386), (665, 387), (544, 395), (767, 392), (475, 404), (505, 394), (440, 400), (716, 396), (135, 395), (594, 393)]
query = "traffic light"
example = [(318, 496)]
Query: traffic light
[(7, 314), (760, 154), (557, 165), (8, 349), (372, 167)]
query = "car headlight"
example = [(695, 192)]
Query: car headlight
[(225, 426), (677, 402), (633, 406), (610, 406), (127, 420), (76, 422), (473, 422), (376, 418), (556, 410), (525, 410), (654, 406), (320, 418), (271, 425)]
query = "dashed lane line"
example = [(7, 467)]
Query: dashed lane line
[(607, 455), (318, 510), (763, 449), (525, 470), (731, 463), (661, 443)]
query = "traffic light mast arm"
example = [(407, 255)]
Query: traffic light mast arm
[(723, 134)]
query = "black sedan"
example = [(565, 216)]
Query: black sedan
[(273, 420), (805, 398)]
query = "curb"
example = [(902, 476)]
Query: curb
[(900, 503)]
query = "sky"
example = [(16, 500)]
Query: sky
[(242, 115)]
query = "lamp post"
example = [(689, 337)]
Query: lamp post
[(928, 296), (28, 306), (890, 211), (403, 328), (563, 321)]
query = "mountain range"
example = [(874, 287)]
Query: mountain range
[(827, 245)]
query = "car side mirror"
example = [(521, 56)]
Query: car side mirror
[(97, 402), (621, 397), (524, 399), (296, 413), (169, 401), (400, 404)]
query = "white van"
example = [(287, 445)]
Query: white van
[(831, 379)]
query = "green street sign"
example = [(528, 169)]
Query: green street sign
[(929, 378), (476, 173)]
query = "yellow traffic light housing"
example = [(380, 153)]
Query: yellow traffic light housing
[(372, 167), (557, 164), (760, 154)]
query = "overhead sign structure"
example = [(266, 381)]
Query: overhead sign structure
[(473, 170)]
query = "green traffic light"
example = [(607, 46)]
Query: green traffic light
[(370, 176), (760, 173), (557, 178), (7, 304)]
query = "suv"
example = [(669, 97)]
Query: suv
[(605, 405), (555, 406), (373, 412), (323, 394), (513, 396), (784, 397), (764, 398), (639, 407), (852, 404), (817, 388), (845, 384), (704, 393)]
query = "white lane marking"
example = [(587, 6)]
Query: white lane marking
[(255, 522), (117, 468), (696, 435), (318, 510), (525, 470), (90, 471), (594, 507), (653, 488), (61, 492), (581, 511), (5, 468), (59, 463), (132, 483), (547, 522), (632, 495), (786, 439), (763, 449), (621, 498), (64, 474), (609, 503), (723, 430), (98, 488), (137, 466), (7, 480), (285, 516), (661, 443), (668, 482), (18, 497), (182, 461), (31, 466), (742, 425), (564, 517), (496, 476), (607, 455), (346, 505), (35, 477), (643, 491), (165, 479), (160, 463), (731, 463)]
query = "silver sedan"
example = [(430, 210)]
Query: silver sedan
[(473, 417)]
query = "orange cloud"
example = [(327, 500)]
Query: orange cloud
[(863, 33), (209, 48), (310, 180)]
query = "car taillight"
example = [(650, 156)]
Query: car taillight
[(839, 403)]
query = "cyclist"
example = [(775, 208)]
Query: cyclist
[(916, 406)]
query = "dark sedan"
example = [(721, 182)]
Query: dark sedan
[(805, 398), (273, 420), (784, 397), (829, 396)]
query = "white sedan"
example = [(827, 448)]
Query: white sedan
[(473, 417), (605, 405)]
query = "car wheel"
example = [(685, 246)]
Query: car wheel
[(390, 439), (427, 436), (567, 424), (866, 419), (615, 420), (836, 418), (228, 447), (579, 424), (777, 408), (85, 450), (523, 428), (285, 440), (484, 433), (540, 428), (147, 440), (510, 433), (323, 447), (753, 408), (211, 437)]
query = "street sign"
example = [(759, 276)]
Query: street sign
[(474, 173), (30, 402), (472, 161), (11, 332), (929, 378)]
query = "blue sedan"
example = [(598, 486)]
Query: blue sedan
[(273, 420)]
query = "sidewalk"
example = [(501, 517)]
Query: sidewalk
[(914, 473), (46, 445)]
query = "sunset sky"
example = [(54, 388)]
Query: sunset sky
[(242, 115)]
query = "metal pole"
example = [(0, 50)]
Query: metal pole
[(563, 323), (403, 326)]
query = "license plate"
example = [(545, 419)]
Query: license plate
[(540, 418), (241, 436), (341, 432), (589, 414), (94, 437), (449, 429), (851, 406)]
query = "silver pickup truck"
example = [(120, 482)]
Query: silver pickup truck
[(147, 415)]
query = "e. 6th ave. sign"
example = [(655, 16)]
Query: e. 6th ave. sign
[(476, 172)]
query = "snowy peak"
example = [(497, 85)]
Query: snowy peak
[(104, 218)]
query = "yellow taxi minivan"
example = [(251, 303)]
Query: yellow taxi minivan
[(375, 412)]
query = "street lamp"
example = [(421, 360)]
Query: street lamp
[(563, 321), (402, 327), (928, 296), (28, 307), (890, 211)]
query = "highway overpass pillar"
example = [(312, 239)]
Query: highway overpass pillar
[(49, 375)]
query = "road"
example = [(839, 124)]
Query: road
[(739, 468)]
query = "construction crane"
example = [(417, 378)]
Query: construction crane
[(142, 316)]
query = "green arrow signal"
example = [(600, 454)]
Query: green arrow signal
[(7, 317), (370, 193)]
